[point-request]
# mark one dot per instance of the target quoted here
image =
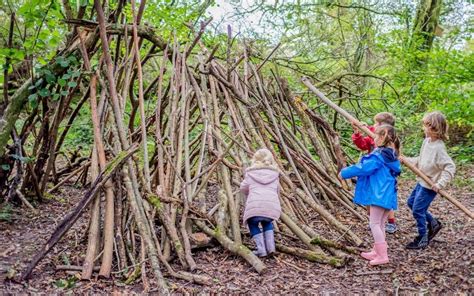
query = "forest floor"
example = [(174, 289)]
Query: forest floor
[(445, 267)]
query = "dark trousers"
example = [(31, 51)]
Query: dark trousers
[(419, 202), (254, 225)]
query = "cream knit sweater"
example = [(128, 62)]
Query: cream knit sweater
[(435, 162)]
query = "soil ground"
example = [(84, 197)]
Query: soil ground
[(446, 267)]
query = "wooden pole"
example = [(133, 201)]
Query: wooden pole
[(362, 127)]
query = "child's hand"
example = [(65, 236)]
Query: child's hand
[(435, 188), (354, 127)]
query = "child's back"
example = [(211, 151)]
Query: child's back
[(261, 187), (377, 174)]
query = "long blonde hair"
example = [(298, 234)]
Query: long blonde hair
[(437, 124)]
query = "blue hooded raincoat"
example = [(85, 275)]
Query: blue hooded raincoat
[(377, 178)]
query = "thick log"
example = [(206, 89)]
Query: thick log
[(313, 256), (235, 248)]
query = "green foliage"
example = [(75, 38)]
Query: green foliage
[(389, 69), (66, 283), (54, 86), (38, 30), (80, 133), (172, 16), (463, 153), (373, 45)]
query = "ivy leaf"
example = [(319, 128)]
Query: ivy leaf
[(61, 283), (50, 78), (14, 53), (64, 93), (62, 82), (34, 103), (42, 61), (62, 62), (76, 74), (72, 59), (38, 82), (5, 167), (56, 97), (32, 97), (44, 92), (72, 84), (43, 35)]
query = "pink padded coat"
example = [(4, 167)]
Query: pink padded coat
[(261, 186)]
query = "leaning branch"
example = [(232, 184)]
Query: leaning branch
[(72, 217)]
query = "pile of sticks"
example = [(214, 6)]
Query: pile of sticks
[(176, 174)]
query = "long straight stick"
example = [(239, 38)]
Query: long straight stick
[(413, 168), (141, 103)]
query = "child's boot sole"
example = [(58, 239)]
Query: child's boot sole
[(379, 262), (368, 255)]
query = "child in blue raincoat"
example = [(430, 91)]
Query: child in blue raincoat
[(377, 187)]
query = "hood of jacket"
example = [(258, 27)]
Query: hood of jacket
[(263, 175), (390, 159)]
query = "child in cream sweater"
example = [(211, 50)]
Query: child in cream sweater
[(435, 162)]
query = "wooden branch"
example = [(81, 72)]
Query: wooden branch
[(339, 76), (6, 67), (143, 31), (72, 217), (198, 36), (74, 173), (312, 256), (235, 248), (266, 59)]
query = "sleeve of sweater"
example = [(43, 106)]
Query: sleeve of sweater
[(413, 160), (245, 186), (446, 164), (361, 169), (361, 142)]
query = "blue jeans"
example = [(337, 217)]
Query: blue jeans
[(419, 202), (254, 225)]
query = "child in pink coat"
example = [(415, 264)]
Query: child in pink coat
[(261, 188)]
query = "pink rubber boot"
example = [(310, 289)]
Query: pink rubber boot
[(382, 256), (369, 255)]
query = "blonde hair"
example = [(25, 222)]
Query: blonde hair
[(389, 136), (437, 124), (263, 158), (385, 118)]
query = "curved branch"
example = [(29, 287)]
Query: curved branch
[(339, 76)]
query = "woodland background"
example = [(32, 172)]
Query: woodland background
[(405, 57)]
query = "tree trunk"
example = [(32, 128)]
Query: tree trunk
[(425, 24)]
